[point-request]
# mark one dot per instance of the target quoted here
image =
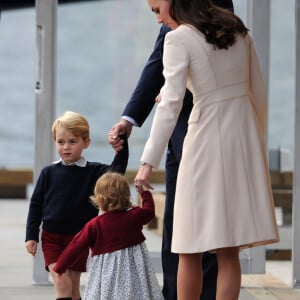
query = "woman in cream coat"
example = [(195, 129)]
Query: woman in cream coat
[(223, 198)]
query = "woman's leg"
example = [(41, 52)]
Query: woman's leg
[(229, 275), (189, 277)]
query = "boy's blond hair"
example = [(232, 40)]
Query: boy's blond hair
[(72, 121), (112, 192)]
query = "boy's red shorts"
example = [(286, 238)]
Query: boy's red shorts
[(53, 245)]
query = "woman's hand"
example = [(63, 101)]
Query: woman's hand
[(158, 98), (143, 176)]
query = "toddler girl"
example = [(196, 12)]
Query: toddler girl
[(120, 266)]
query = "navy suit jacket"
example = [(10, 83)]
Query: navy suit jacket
[(150, 83)]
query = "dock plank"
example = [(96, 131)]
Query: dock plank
[(267, 287), (266, 280), (244, 295), (261, 294), (286, 294)]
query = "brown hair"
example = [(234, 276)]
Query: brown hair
[(72, 121), (220, 26), (112, 192)]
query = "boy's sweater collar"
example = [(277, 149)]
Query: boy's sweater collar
[(81, 162)]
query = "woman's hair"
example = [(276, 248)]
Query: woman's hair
[(219, 25), (112, 192), (73, 121)]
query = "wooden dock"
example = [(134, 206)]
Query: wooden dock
[(266, 287)]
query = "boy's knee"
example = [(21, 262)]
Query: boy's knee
[(63, 284)]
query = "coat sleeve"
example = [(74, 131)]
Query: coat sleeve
[(258, 93), (175, 61)]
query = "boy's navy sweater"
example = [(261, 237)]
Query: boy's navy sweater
[(61, 200)]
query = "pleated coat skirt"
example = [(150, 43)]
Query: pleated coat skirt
[(223, 192)]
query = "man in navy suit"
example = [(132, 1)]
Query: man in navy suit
[(135, 113)]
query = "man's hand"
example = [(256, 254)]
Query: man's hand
[(122, 127)]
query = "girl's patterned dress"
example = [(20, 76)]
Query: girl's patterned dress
[(128, 275)]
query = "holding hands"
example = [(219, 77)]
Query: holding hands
[(114, 139), (142, 178)]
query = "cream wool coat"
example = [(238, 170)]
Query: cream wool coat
[(223, 194)]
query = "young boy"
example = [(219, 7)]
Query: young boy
[(61, 201)]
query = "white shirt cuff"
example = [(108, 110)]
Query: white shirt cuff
[(129, 119)]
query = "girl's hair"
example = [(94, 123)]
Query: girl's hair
[(72, 121), (112, 192), (219, 25)]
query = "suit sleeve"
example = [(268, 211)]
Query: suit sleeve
[(151, 80)]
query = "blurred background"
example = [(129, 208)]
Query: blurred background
[(102, 47)]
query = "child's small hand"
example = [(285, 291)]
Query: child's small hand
[(140, 188), (31, 247)]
